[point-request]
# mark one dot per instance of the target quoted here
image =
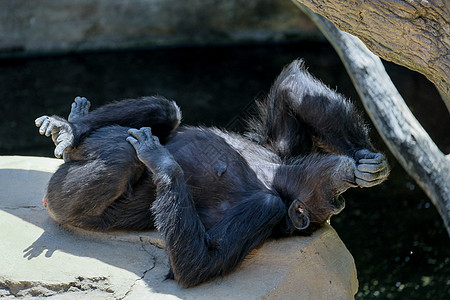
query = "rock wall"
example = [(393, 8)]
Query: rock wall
[(38, 258), (44, 26)]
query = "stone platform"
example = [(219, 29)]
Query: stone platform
[(39, 258)]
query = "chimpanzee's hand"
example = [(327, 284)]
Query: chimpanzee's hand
[(149, 150), (60, 131), (371, 168)]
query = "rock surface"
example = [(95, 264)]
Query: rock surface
[(71, 25), (38, 258)]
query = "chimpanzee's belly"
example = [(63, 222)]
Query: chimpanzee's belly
[(215, 172)]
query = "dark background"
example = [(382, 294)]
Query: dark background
[(397, 238)]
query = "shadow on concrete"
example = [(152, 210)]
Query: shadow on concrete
[(29, 231)]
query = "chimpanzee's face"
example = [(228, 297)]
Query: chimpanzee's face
[(314, 211)]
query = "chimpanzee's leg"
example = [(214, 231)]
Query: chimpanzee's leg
[(195, 254), (101, 185), (301, 113), (162, 114)]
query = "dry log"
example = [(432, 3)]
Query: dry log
[(411, 33), (403, 134)]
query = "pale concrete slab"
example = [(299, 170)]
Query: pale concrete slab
[(39, 258)]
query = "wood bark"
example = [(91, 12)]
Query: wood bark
[(403, 134), (411, 33)]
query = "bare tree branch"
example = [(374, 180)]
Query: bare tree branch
[(403, 134), (411, 33)]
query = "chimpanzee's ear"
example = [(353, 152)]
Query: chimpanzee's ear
[(299, 215)]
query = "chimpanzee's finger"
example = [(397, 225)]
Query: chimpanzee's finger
[(134, 142), (372, 177), (372, 168), (376, 160), (135, 133), (364, 176), (364, 183)]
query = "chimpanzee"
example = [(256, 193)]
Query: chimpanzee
[(214, 195)]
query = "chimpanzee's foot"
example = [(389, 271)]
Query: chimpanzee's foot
[(60, 131), (149, 150), (371, 168), (80, 108)]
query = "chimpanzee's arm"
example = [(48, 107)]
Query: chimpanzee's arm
[(197, 255), (300, 111), (298, 104)]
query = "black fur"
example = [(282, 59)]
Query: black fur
[(214, 195)]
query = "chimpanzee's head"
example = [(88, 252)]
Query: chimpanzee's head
[(304, 217), (312, 189)]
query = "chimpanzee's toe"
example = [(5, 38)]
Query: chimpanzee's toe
[(80, 108)]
